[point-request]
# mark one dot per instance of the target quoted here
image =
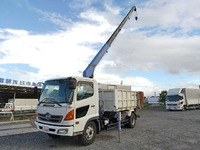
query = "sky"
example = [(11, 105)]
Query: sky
[(46, 39)]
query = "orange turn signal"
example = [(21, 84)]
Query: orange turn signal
[(70, 115)]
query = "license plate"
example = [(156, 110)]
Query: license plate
[(45, 129), (174, 108)]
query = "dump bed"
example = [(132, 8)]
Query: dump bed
[(114, 86), (115, 100)]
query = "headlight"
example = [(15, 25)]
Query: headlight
[(63, 131)]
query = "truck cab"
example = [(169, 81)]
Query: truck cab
[(175, 99), (66, 105), (183, 98)]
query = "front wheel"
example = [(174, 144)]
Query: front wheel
[(89, 134)]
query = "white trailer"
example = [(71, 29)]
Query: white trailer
[(182, 98), (21, 105)]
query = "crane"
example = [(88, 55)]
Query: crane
[(89, 71)]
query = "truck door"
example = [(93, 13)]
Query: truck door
[(85, 104)]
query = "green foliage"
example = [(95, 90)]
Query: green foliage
[(146, 105), (162, 97)]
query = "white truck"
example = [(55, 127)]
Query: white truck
[(77, 106), (20, 105), (182, 98)]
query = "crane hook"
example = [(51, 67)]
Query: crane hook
[(136, 16)]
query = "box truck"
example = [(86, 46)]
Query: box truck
[(182, 98)]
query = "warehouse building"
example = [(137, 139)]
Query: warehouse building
[(17, 89)]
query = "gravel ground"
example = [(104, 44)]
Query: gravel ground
[(156, 129)]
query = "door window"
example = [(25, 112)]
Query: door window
[(84, 90)]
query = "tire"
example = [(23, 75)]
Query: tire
[(132, 121), (89, 134), (53, 136)]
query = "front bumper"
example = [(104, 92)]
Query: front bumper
[(174, 108), (57, 130)]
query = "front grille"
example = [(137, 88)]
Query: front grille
[(172, 104), (53, 118)]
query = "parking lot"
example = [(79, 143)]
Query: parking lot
[(156, 129)]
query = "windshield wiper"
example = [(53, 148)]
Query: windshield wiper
[(42, 101), (51, 100), (56, 103)]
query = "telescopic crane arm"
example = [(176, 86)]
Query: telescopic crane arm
[(89, 71)]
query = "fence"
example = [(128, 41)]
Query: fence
[(8, 112)]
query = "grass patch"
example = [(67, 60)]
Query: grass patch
[(7, 117), (147, 105)]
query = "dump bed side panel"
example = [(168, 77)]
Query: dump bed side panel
[(118, 99)]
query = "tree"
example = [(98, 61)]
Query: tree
[(162, 97)]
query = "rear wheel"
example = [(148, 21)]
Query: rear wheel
[(132, 121), (89, 134)]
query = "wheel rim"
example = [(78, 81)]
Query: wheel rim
[(133, 121), (89, 132)]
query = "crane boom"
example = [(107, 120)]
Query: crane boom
[(89, 71)]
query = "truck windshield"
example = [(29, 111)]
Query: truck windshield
[(56, 91), (172, 98)]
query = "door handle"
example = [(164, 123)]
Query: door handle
[(92, 105)]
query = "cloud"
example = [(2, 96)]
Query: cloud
[(136, 83), (54, 18), (63, 53), (6, 34), (163, 38), (54, 55), (82, 4), (2, 70), (139, 81), (174, 55), (168, 14)]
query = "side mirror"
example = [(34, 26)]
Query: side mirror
[(180, 97), (72, 83), (37, 89), (36, 92)]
